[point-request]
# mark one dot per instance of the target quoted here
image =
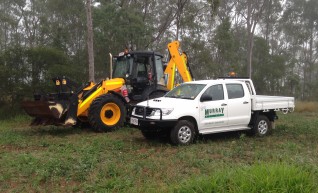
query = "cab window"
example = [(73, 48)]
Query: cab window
[(141, 70), (216, 92), (159, 68), (235, 91)]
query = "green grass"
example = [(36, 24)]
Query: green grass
[(262, 177), (57, 159)]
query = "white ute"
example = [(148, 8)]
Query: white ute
[(209, 106)]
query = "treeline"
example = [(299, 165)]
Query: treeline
[(275, 42)]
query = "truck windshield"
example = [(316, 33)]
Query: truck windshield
[(122, 66), (186, 91)]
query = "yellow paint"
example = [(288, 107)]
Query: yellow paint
[(170, 70), (178, 61), (113, 84), (92, 84), (104, 88), (115, 114), (84, 105)]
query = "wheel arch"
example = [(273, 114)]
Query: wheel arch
[(271, 115), (191, 119), (119, 95)]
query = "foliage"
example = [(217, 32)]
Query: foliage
[(224, 42), (25, 70)]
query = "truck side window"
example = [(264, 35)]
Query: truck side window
[(235, 91), (249, 87), (216, 91)]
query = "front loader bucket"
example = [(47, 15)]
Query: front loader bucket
[(45, 112)]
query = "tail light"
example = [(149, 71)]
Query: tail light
[(124, 92), (149, 76)]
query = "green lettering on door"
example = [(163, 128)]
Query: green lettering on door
[(214, 112)]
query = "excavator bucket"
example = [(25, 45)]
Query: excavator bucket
[(51, 109), (45, 112)]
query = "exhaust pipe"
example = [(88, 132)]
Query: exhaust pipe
[(111, 66)]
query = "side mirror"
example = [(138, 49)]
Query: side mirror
[(205, 97)]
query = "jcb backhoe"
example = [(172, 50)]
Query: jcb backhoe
[(136, 76)]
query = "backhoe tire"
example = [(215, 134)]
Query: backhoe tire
[(106, 113)]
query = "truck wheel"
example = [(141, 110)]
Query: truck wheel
[(183, 133), (262, 126), (106, 113)]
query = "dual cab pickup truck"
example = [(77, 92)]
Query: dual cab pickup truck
[(209, 106)]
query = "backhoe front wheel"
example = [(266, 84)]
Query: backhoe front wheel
[(107, 113)]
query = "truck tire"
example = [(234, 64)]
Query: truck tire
[(106, 113), (183, 133), (262, 126)]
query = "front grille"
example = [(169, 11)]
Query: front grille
[(140, 111)]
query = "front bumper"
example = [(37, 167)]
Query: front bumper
[(144, 123)]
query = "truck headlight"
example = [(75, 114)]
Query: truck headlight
[(165, 111)]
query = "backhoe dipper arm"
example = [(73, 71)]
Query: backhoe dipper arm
[(178, 61)]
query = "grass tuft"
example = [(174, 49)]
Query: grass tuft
[(302, 106), (273, 178)]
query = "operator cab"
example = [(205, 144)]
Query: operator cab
[(139, 69)]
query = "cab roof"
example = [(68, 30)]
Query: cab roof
[(140, 53), (218, 81), (145, 53)]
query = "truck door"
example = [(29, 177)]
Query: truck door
[(213, 109), (239, 105)]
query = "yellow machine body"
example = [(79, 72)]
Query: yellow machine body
[(106, 86)]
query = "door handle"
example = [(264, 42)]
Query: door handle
[(245, 102), (223, 104)]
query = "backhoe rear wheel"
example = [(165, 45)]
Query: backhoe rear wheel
[(107, 113)]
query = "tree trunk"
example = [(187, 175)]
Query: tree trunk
[(90, 47), (249, 39)]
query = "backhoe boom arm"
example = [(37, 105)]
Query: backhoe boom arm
[(177, 61)]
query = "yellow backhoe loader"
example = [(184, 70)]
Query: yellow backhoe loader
[(136, 76)]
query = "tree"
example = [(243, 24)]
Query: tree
[(299, 24), (224, 42), (90, 48), (251, 11)]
